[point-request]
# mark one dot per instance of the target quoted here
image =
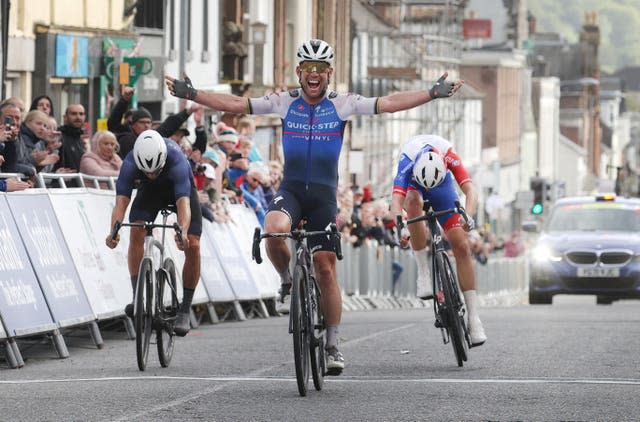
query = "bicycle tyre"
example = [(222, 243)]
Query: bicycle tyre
[(300, 329), (455, 318), (143, 315), (165, 337), (316, 324)]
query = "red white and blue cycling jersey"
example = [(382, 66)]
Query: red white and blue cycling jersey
[(312, 134), (442, 196), (410, 151)]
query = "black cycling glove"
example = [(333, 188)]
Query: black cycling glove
[(441, 88), (184, 89)]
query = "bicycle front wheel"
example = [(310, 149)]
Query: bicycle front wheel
[(299, 316), (167, 303), (143, 312), (454, 309), (316, 328)]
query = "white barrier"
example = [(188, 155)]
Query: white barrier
[(23, 307), (84, 218)]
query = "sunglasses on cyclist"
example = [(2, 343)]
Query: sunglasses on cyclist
[(318, 67)]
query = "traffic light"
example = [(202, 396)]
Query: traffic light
[(538, 187)]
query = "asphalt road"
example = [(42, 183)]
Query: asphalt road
[(573, 360)]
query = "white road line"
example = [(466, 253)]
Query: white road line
[(345, 379)]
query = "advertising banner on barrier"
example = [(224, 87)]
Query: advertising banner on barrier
[(84, 219), (22, 304), (234, 264), (213, 275), (36, 221), (265, 275), (200, 295)]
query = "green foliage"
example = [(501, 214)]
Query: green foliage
[(618, 20)]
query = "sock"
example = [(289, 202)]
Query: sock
[(471, 299), (332, 337), (134, 283), (422, 259), (187, 297), (285, 277)]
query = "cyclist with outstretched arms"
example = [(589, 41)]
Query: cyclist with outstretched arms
[(428, 169), (313, 122), (165, 178)]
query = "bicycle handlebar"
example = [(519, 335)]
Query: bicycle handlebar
[(331, 231), (430, 214), (148, 226)]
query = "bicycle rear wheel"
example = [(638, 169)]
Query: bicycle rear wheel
[(143, 313), (454, 309), (299, 315), (316, 328), (167, 301)]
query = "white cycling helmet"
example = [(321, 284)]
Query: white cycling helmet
[(150, 151), (429, 169), (316, 50)]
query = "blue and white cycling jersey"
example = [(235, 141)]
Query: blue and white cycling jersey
[(312, 131)]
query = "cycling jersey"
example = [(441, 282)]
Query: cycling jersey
[(176, 175), (442, 196), (174, 182), (413, 147), (312, 134)]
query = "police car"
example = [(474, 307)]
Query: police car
[(588, 246)]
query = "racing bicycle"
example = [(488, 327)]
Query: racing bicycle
[(448, 306), (156, 300), (306, 321)]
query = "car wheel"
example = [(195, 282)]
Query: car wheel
[(539, 298), (604, 300)]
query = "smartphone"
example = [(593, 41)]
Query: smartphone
[(8, 123)]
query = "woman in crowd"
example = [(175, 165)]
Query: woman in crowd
[(44, 104), (103, 159)]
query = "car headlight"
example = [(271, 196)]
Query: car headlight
[(543, 253)]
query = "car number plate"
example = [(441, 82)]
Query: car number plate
[(598, 272)]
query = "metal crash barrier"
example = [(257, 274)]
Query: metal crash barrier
[(57, 274)]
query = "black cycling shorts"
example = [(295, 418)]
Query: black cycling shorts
[(148, 203), (316, 204)]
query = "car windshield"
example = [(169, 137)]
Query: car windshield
[(594, 216)]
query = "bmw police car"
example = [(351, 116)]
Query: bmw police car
[(588, 245)]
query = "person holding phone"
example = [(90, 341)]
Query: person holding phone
[(15, 158)]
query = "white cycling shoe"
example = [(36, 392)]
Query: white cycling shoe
[(476, 332), (283, 300)]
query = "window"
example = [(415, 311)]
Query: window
[(149, 14)]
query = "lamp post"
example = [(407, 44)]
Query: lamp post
[(258, 39)]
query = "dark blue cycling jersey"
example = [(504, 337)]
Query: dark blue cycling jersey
[(176, 176)]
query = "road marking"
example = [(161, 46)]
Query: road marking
[(345, 379)]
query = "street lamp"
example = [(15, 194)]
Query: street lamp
[(258, 39)]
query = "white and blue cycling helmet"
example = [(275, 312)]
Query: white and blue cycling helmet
[(315, 50)]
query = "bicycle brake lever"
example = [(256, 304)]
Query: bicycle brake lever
[(336, 240), (178, 231), (116, 229), (255, 250), (460, 210)]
